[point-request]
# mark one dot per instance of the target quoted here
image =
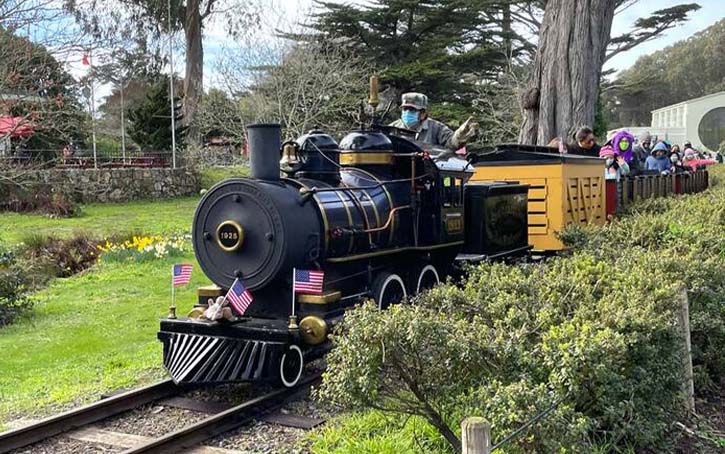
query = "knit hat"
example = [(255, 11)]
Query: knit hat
[(645, 137), (607, 150)]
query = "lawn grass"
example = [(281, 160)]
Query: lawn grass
[(373, 432), (145, 216), (88, 334), (211, 175), (94, 332)]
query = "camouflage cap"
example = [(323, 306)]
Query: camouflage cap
[(415, 100)]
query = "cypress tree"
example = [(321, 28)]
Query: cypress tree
[(150, 119)]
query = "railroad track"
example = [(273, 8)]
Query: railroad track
[(187, 437), (222, 422), (73, 419)]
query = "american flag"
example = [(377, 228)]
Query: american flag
[(181, 274), (239, 297), (307, 281)]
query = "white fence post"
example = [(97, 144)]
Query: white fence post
[(475, 436)]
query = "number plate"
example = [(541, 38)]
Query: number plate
[(229, 236)]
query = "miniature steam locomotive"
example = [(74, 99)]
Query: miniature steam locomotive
[(383, 216)]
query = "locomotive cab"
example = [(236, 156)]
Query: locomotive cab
[(452, 177)]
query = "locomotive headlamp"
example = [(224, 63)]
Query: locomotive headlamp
[(229, 236)]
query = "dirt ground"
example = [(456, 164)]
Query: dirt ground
[(704, 433)]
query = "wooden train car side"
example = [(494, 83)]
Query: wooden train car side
[(566, 189), (563, 189)]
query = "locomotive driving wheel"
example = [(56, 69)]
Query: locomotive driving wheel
[(388, 288), (425, 279), (291, 366)]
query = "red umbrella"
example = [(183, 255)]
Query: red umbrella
[(16, 126)]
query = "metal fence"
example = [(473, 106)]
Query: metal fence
[(84, 159)]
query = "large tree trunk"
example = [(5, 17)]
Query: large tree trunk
[(562, 90), (194, 77)]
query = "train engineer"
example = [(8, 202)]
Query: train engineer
[(414, 116)]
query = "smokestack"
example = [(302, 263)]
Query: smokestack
[(265, 141)]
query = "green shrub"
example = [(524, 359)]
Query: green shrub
[(511, 341), (45, 257), (687, 233), (213, 175), (13, 288), (107, 145), (38, 197)]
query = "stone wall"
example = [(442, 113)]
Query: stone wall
[(112, 185)]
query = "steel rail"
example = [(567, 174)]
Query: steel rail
[(227, 420), (72, 419)]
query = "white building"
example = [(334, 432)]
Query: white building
[(699, 120)]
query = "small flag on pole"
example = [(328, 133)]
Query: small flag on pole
[(181, 274), (307, 281), (239, 297)]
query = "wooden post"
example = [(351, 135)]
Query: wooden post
[(688, 384), (475, 436), (626, 182), (635, 189)]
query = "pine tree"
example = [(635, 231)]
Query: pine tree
[(150, 119)]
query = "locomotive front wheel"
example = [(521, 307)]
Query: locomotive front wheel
[(290, 366), (427, 279), (388, 288)]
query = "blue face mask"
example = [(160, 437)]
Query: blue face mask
[(410, 118)]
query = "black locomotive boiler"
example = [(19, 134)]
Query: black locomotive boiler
[(384, 218)]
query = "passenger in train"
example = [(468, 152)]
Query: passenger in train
[(614, 163), (640, 153), (658, 160), (676, 161), (676, 149), (585, 143)]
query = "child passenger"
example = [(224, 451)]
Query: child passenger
[(614, 164)]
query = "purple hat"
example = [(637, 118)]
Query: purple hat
[(622, 144)]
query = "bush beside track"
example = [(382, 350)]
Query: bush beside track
[(594, 330)]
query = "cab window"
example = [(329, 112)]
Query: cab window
[(452, 190)]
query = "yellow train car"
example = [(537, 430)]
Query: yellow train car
[(563, 189)]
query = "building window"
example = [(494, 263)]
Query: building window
[(712, 128)]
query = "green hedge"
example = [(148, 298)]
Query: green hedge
[(688, 234), (594, 330)]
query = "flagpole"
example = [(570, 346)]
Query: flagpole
[(93, 109), (171, 90), (221, 305), (172, 308), (294, 281), (293, 318)]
